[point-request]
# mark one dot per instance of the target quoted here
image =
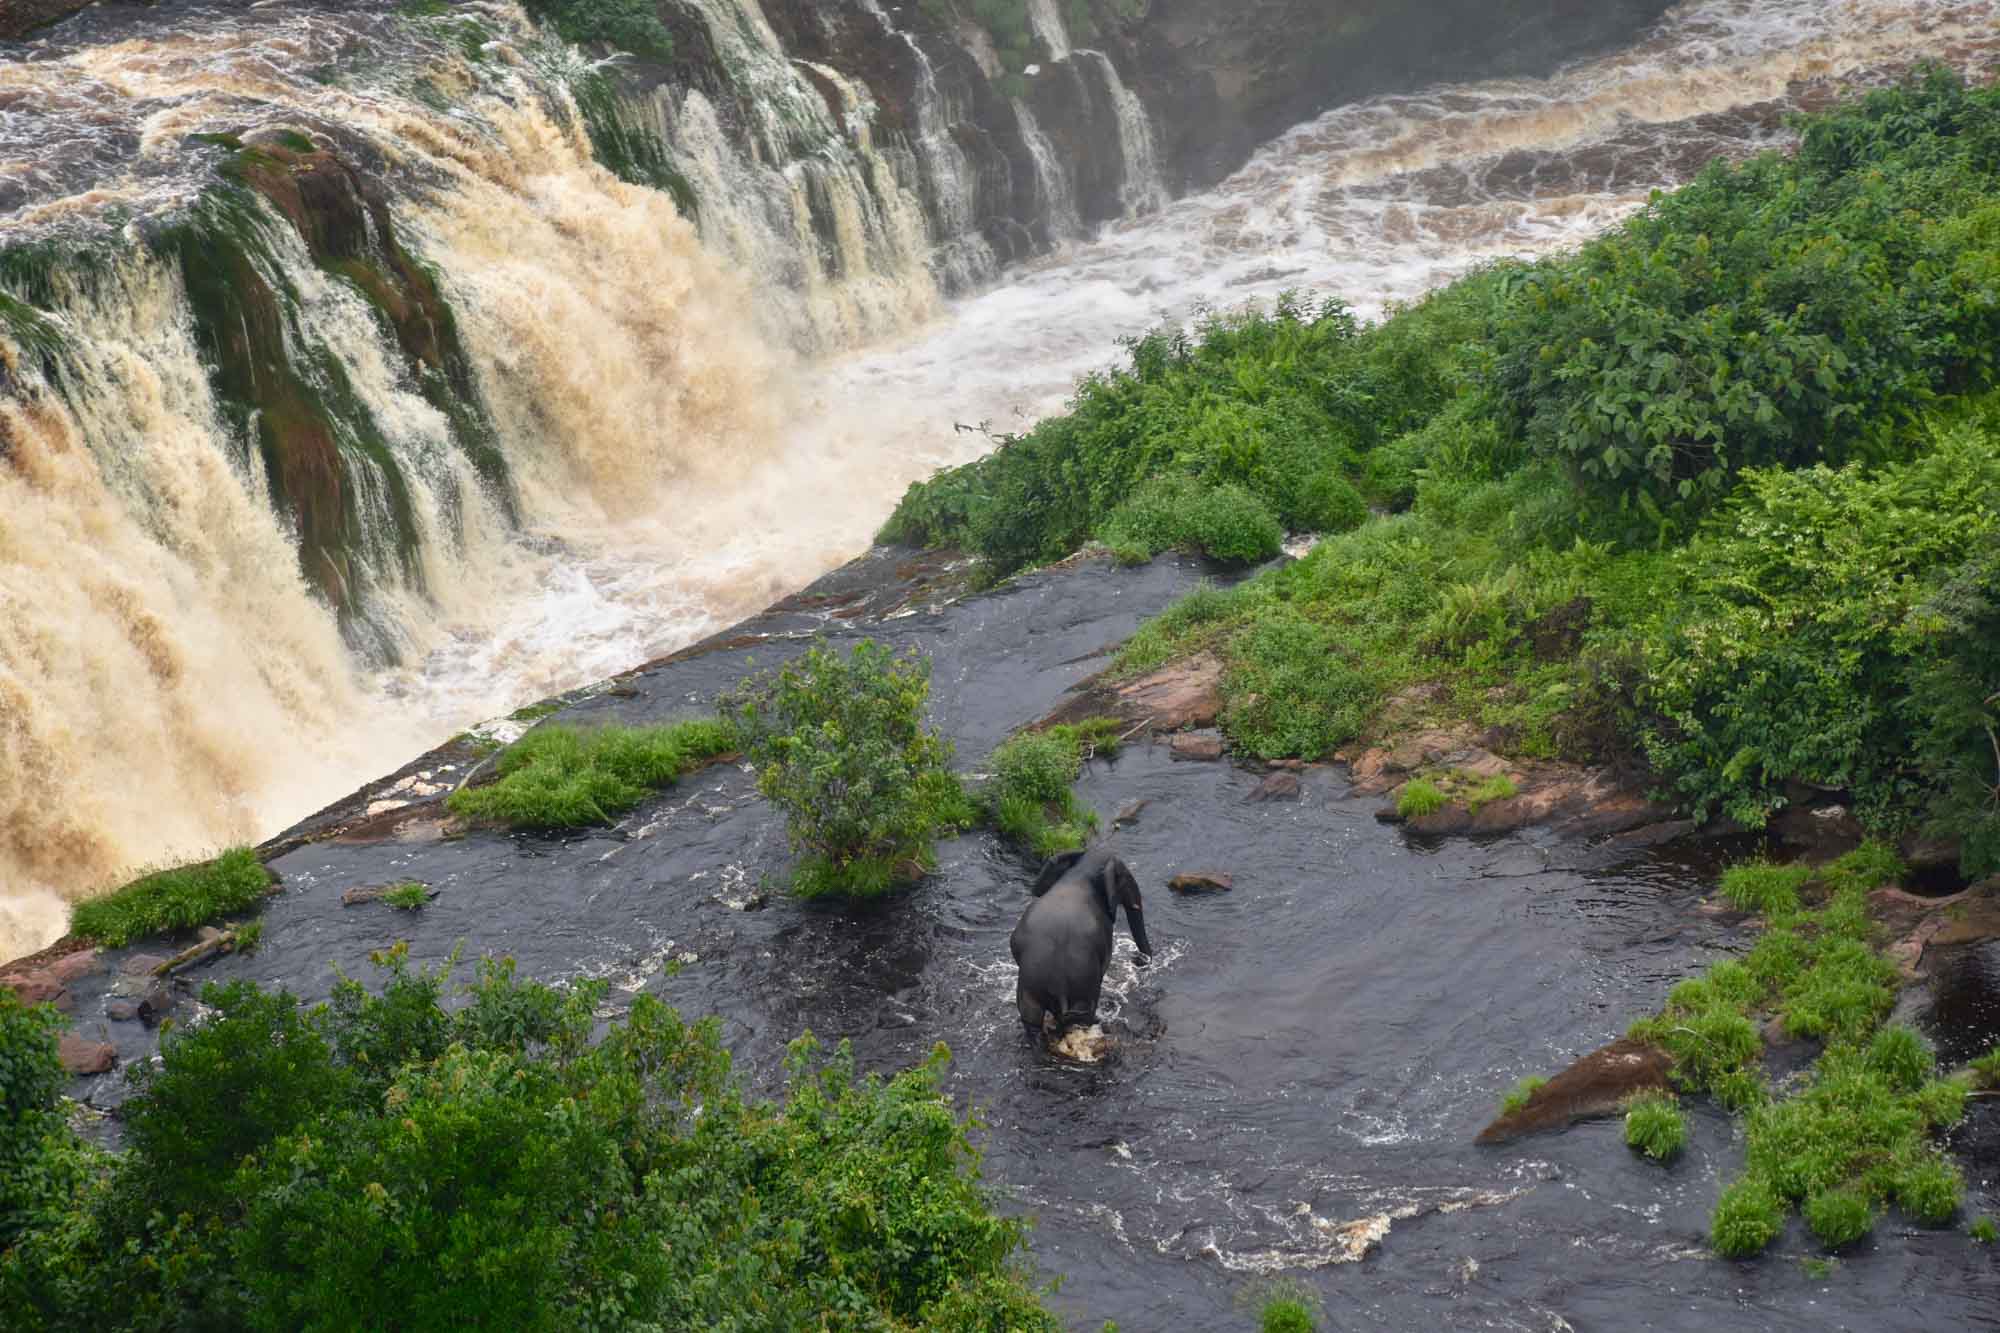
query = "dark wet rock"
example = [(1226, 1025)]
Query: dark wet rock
[(1129, 813), (1277, 787), (158, 1001), (1930, 855), (80, 1055), (1818, 827), (1201, 881), (1198, 745), (1595, 1086), (123, 1011), (18, 18)]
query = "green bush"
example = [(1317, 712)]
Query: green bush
[(384, 1163), (1286, 1315), (1419, 797), (1224, 521), (1654, 1126), (1986, 1070), (841, 747), (1747, 1218), (41, 1167), (1983, 1231), (177, 899), (1930, 1191), (558, 777), (1030, 800), (407, 897)]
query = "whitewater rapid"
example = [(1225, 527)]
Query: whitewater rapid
[(167, 682)]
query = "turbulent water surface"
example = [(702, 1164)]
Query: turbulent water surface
[(167, 682)]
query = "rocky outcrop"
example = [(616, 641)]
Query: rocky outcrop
[(1222, 79), (1597, 1085), (18, 18), (1485, 793)]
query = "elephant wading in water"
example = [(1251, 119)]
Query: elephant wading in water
[(1063, 942)]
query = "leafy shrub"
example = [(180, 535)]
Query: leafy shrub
[(1285, 1315), (175, 899), (1747, 1218), (1225, 521), (1759, 886), (37, 1174), (1986, 1069), (1838, 1217), (1983, 1231), (384, 1163), (1419, 797), (1030, 799), (841, 747), (1517, 1097), (1654, 1126), (558, 777)]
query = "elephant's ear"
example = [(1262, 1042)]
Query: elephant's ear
[(1054, 869)]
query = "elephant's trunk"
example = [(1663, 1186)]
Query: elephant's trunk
[(1135, 918)]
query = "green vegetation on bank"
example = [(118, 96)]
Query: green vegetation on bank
[(1718, 493), (629, 25), (176, 899), (383, 1161), (1030, 799), (1856, 1135), (1655, 1126), (558, 777)]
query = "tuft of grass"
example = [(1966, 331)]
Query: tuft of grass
[(1499, 788), (407, 897), (1521, 1092), (559, 777), (1747, 1218), (1285, 1314), (174, 899), (1986, 1069), (1420, 797), (1839, 1217), (1654, 1126), (1759, 886), (1983, 1231), (248, 937), (1869, 866)]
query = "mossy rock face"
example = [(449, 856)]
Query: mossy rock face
[(304, 418)]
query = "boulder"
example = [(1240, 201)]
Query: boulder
[(139, 964), (1278, 787), (71, 967), (1597, 1085), (1130, 814), (157, 1003), (1201, 881), (39, 987), (80, 1055), (1199, 745)]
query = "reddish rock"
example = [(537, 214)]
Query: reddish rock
[(1202, 745), (39, 987), (1596, 1085), (80, 1055), (139, 964), (1289, 765), (1201, 881), (1277, 787), (73, 966)]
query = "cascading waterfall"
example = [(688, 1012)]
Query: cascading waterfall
[(1046, 22), (1053, 185), (1142, 189)]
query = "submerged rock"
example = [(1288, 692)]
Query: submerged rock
[(1597, 1085), (1201, 881), (80, 1055), (1281, 786), (1197, 745)]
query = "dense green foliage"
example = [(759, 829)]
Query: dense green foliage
[(1718, 493), (840, 746), (175, 899), (1030, 800), (629, 25), (558, 777), (1858, 1134), (381, 1162)]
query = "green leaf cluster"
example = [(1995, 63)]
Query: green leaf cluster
[(382, 1162), (840, 746), (1030, 798)]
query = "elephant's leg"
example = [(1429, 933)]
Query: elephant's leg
[(1033, 1015)]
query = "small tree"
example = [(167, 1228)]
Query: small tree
[(841, 748)]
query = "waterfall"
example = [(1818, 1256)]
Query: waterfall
[(1052, 178), (1046, 23), (1143, 190)]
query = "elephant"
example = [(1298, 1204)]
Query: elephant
[(1063, 942)]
